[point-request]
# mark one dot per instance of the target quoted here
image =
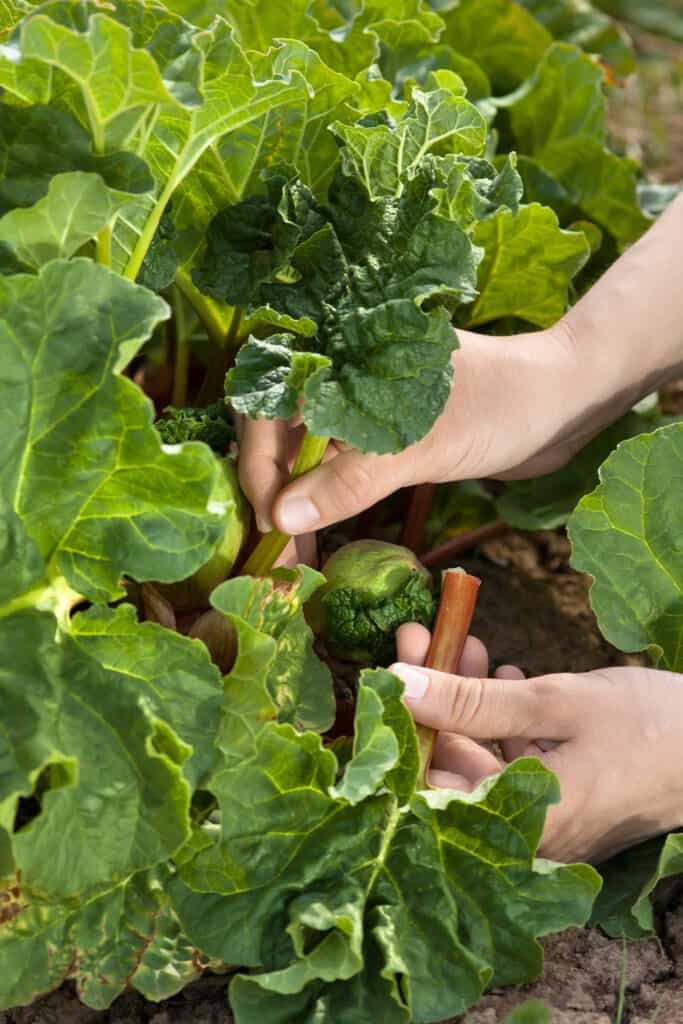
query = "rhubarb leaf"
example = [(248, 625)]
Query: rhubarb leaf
[(625, 534), (39, 143), (128, 935), (501, 37), (290, 852), (99, 759), (76, 207), (83, 466), (559, 119), (173, 676), (388, 373), (528, 265)]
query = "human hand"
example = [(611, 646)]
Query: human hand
[(612, 736), (512, 413)]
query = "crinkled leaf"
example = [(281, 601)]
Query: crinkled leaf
[(77, 206), (470, 190), (160, 264), (389, 373), (128, 935), (626, 535), (546, 502), (277, 673), (83, 468), (558, 119), (269, 376), (528, 265), (437, 122), (41, 142), (292, 844)]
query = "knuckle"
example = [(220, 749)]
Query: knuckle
[(463, 701), (351, 483)]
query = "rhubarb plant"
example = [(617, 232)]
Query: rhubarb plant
[(303, 199)]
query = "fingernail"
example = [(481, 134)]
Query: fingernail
[(415, 682), (298, 515), (263, 524)]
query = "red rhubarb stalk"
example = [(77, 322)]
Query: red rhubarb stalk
[(454, 617), (419, 510)]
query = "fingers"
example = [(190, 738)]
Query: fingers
[(464, 757), (263, 466), (339, 488), (475, 659), (482, 708), (412, 643)]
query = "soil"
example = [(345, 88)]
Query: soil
[(533, 612)]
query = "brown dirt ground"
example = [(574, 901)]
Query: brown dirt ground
[(533, 611)]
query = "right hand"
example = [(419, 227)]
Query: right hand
[(512, 413)]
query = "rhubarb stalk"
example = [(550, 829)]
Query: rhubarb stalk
[(454, 617)]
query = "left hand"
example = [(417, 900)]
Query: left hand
[(612, 736)]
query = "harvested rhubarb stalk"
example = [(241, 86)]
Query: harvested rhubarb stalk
[(454, 617)]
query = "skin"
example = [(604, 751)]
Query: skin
[(521, 407)]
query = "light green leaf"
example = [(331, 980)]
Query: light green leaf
[(559, 119), (83, 469), (277, 674), (528, 265), (579, 22), (530, 1012), (470, 190), (437, 121), (77, 206), (501, 37), (114, 83), (626, 535)]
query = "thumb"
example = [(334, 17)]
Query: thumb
[(341, 487), (484, 708)]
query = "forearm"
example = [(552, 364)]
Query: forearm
[(628, 330)]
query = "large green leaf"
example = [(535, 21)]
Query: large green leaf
[(370, 866), (77, 206), (626, 535), (85, 482), (170, 674), (501, 37), (276, 662), (559, 119), (528, 265), (579, 22), (112, 84), (106, 769)]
